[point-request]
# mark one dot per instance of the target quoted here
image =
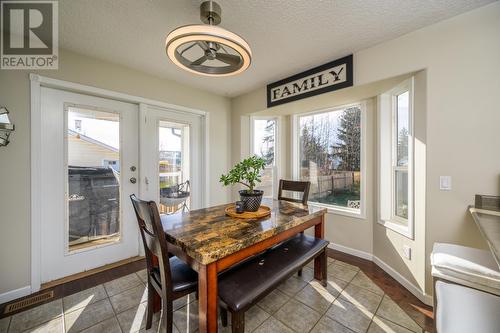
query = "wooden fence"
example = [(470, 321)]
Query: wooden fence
[(322, 186)]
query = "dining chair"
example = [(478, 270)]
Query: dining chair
[(295, 186), (170, 277)]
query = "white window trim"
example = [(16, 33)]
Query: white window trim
[(396, 223), (338, 210), (277, 148)]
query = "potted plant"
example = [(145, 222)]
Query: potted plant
[(247, 173)]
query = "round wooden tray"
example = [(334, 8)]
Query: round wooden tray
[(261, 212)]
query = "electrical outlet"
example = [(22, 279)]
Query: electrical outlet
[(407, 252)]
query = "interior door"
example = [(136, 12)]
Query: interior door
[(90, 167), (171, 157)]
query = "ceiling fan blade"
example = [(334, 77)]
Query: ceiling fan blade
[(229, 59), (203, 45), (199, 61)]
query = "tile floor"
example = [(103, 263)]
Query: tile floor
[(350, 303)]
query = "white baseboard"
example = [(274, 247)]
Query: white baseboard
[(424, 298), (351, 251), (16, 293)]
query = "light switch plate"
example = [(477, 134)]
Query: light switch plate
[(445, 183), (407, 252)]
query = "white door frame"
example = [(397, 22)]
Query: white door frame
[(38, 81)]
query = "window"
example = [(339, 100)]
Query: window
[(264, 140), (395, 158), (329, 153)]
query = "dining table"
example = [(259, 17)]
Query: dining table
[(210, 242)]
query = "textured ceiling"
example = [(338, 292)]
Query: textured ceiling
[(286, 36)]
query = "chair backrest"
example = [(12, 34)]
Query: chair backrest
[(295, 186), (153, 238)]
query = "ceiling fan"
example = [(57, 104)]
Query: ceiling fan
[(206, 48)]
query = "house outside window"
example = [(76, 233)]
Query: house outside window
[(396, 158), (328, 152)]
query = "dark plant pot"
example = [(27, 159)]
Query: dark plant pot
[(251, 200)]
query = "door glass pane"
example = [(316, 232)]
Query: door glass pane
[(263, 146), (93, 194), (174, 167), (330, 156), (401, 190), (402, 126)]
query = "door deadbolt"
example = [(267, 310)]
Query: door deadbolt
[(133, 180), (133, 168)]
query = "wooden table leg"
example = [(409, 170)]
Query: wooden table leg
[(319, 262), (207, 287)]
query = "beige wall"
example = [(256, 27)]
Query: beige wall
[(15, 158), (461, 57)]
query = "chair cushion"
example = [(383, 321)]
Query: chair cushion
[(467, 266), (248, 282), (183, 276)]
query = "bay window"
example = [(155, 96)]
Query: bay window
[(328, 151), (396, 158)]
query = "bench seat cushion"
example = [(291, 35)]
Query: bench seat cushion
[(248, 282), (467, 266)]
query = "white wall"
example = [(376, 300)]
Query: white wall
[(461, 57), (15, 158)]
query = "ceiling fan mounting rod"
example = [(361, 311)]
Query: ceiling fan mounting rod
[(210, 13)]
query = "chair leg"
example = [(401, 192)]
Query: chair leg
[(149, 318), (223, 316), (167, 316), (299, 273), (238, 322)]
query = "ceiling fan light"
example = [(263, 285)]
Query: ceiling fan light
[(208, 33)]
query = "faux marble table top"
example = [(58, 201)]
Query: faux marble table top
[(208, 234)]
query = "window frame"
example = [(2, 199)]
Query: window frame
[(397, 223), (295, 133), (277, 142)]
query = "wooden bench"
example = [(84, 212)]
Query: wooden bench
[(247, 283)]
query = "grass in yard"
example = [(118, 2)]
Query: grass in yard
[(338, 199)]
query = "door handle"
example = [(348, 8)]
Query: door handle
[(133, 180)]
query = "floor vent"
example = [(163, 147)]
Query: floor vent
[(29, 301)]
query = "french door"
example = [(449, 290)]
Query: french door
[(90, 167), (171, 159)]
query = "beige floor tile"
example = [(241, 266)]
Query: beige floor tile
[(88, 316), (156, 329), (133, 319), (307, 274), (107, 326), (333, 285), (84, 298), (186, 318), (310, 264), (363, 281), (143, 275), (362, 298), (119, 285), (327, 325), (180, 302), (129, 298), (349, 315), (341, 272), (254, 317), (388, 309), (292, 286), (316, 296), (329, 261), (4, 324), (353, 267), (381, 325), (298, 316), (272, 302), (53, 326), (273, 325), (36, 316)]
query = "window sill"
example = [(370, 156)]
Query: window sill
[(399, 228), (349, 212)]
